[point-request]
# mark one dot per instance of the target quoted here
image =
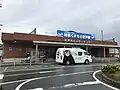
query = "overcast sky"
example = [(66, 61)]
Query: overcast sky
[(87, 16)]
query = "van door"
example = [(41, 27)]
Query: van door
[(59, 56), (87, 56), (80, 57)]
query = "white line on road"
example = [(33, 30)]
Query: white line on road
[(103, 82), (5, 69), (37, 89), (88, 83), (14, 82), (80, 84), (1, 76), (70, 85), (49, 71), (29, 80), (76, 84)]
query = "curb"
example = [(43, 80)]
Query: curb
[(28, 64), (103, 83), (110, 81)]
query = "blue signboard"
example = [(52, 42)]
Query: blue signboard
[(73, 34)]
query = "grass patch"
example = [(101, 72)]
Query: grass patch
[(117, 76), (118, 73)]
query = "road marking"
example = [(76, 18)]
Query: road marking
[(49, 71), (1, 76), (61, 75), (14, 82), (70, 85), (26, 80), (103, 82), (37, 89), (67, 85), (76, 84), (5, 69), (89, 83)]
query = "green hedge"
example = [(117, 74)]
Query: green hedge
[(110, 69)]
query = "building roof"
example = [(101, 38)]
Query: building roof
[(82, 44), (54, 39)]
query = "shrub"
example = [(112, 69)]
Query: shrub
[(109, 69)]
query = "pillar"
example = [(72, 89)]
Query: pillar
[(36, 52), (119, 52), (114, 52), (87, 48), (104, 53)]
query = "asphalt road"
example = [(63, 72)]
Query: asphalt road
[(79, 77)]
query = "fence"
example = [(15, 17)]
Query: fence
[(26, 61), (106, 59), (41, 61)]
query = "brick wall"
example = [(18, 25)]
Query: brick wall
[(12, 50), (31, 37)]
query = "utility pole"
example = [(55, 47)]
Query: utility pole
[(1, 26), (0, 5), (102, 35)]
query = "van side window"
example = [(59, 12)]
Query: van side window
[(79, 53), (58, 53)]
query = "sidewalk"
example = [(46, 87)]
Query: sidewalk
[(7, 64), (42, 66)]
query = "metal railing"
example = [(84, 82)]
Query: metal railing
[(41, 61), (26, 61)]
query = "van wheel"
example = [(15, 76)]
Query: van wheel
[(68, 62), (87, 62)]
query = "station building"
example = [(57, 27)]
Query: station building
[(17, 45)]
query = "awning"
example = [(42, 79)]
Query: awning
[(82, 44)]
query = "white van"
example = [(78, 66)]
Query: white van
[(70, 56)]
